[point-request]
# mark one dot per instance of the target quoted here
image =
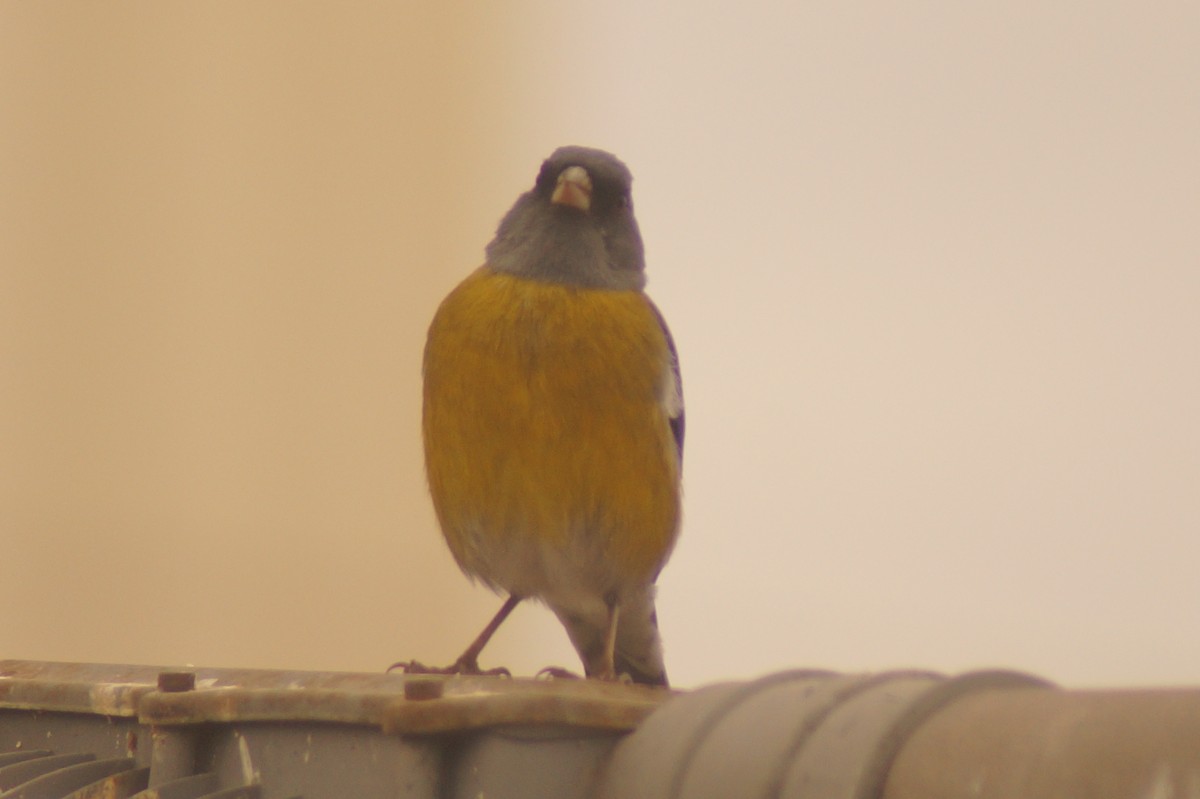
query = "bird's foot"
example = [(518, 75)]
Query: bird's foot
[(557, 673), (462, 666)]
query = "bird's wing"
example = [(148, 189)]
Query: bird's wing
[(674, 397)]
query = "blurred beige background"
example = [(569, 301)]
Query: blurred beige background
[(933, 267)]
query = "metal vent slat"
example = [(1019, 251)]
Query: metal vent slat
[(42, 774), (196, 786), (243, 792), (121, 785), (21, 773), (11, 758), (58, 783)]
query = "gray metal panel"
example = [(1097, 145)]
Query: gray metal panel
[(323, 760), (325, 734), (102, 736), (524, 763)]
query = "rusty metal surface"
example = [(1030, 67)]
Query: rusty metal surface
[(400, 704), (219, 704), (110, 690), (441, 704), (478, 702)]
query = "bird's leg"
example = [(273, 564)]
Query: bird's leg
[(468, 661), (608, 670)]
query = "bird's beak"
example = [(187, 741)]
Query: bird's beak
[(574, 188)]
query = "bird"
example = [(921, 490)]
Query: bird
[(553, 420)]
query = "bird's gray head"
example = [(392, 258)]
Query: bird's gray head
[(575, 226)]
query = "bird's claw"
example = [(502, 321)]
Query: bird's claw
[(460, 667), (557, 673)]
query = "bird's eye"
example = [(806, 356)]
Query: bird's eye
[(624, 201)]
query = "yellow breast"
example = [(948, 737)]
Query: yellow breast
[(545, 425)]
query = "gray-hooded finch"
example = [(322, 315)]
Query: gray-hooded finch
[(553, 419)]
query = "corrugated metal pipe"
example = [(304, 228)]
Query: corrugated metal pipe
[(911, 735)]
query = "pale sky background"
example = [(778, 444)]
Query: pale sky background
[(933, 269)]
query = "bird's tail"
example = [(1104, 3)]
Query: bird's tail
[(638, 649)]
